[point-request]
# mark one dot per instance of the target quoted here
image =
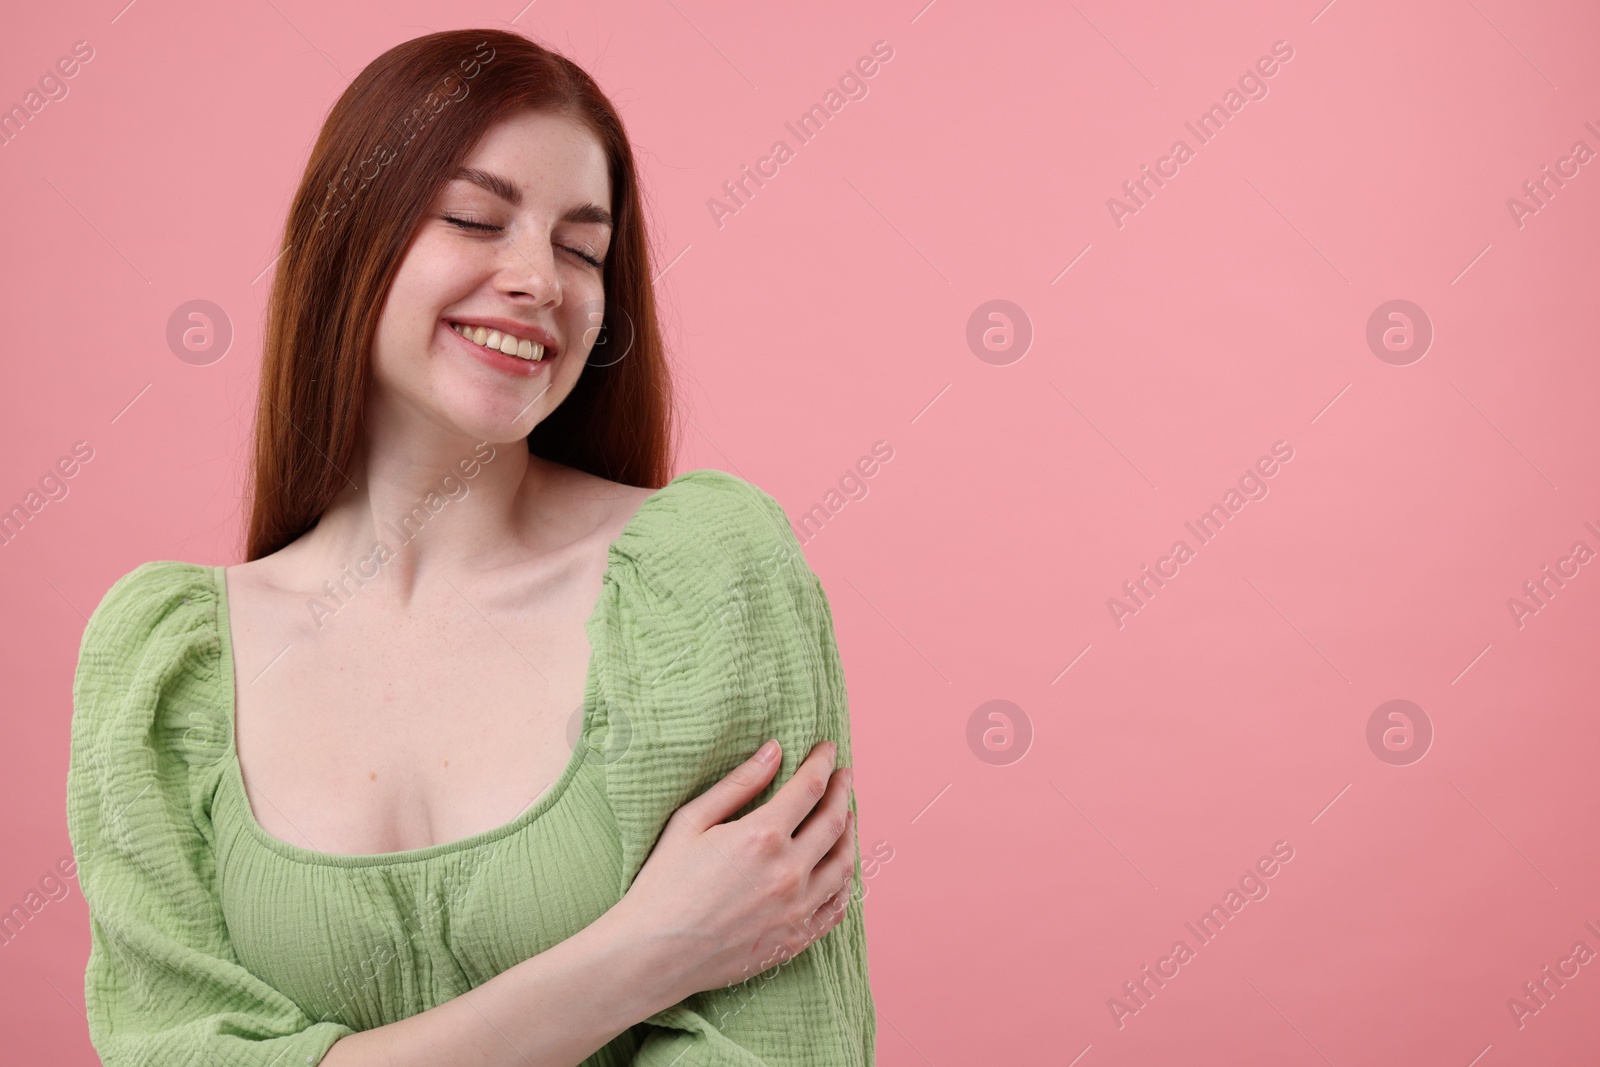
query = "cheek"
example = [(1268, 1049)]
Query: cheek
[(436, 272), (401, 338), (434, 275), (581, 326)]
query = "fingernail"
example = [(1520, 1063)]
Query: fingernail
[(767, 752)]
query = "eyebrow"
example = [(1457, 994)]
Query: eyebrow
[(507, 191)]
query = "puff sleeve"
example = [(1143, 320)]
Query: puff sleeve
[(716, 636), (149, 727)]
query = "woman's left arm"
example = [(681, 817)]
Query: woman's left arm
[(706, 656)]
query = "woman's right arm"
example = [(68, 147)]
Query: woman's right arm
[(714, 900)]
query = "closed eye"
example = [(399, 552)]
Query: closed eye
[(469, 224), (485, 227)]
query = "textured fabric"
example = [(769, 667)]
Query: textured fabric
[(214, 943)]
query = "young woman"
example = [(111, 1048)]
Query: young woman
[(465, 764)]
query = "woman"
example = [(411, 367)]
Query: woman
[(458, 768)]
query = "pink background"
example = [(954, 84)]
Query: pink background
[(830, 312)]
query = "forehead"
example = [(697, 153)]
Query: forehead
[(547, 157)]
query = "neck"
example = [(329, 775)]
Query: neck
[(426, 504)]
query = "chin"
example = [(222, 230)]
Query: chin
[(494, 415)]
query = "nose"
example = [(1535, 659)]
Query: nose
[(529, 272)]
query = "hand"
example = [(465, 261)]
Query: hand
[(717, 902)]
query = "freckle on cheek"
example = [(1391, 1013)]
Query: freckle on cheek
[(373, 775)]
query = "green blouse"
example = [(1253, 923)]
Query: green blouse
[(213, 942)]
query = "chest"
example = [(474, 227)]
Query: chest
[(371, 943), (376, 729)]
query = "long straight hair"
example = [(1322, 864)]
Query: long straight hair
[(393, 139)]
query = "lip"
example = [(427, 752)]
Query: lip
[(497, 359)]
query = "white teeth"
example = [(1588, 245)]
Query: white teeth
[(509, 344)]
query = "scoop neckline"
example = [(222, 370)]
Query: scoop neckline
[(234, 771)]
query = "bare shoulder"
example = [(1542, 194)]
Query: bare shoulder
[(271, 574), (608, 504), (269, 600)]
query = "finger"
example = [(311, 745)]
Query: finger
[(795, 799), (838, 867), (830, 914), (822, 829), (736, 789)]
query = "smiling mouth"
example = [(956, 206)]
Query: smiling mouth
[(504, 343)]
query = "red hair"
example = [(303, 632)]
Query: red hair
[(393, 139)]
